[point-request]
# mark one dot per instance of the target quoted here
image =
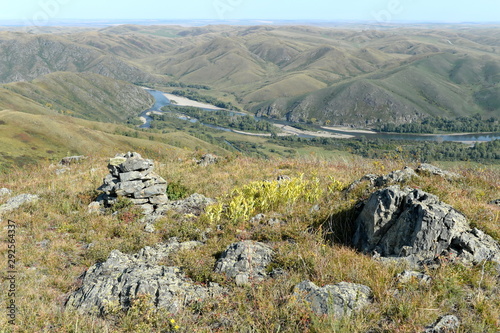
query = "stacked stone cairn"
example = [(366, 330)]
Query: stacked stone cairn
[(131, 176)]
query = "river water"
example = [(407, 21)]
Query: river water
[(161, 101)]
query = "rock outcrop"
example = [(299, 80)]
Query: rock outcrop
[(445, 324), (425, 168), (495, 202), (17, 201), (4, 192), (413, 224), (340, 299), (132, 177), (122, 277), (207, 159), (409, 276), (194, 204), (71, 159), (245, 261), (374, 181)]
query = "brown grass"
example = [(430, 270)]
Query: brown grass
[(49, 271)]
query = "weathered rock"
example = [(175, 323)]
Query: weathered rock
[(149, 228), (17, 201), (94, 208), (425, 168), (340, 299), (245, 261), (374, 181), (159, 199), (5, 191), (122, 277), (409, 276), (194, 204), (208, 159), (128, 188), (445, 324), (283, 178), (132, 177), (148, 192), (475, 246), (61, 171), (135, 162), (71, 159), (494, 202), (410, 223), (398, 176), (147, 209), (257, 218)]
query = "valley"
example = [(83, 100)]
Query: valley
[(253, 178)]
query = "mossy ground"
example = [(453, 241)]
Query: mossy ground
[(49, 271)]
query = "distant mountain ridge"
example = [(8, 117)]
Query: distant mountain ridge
[(300, 73)]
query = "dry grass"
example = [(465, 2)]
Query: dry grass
[(53, 236)]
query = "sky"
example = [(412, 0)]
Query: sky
[(43, 12)]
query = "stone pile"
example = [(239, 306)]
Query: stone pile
[(131, 176)]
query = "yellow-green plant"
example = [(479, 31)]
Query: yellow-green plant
[(264, 196)]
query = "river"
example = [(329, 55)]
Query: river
[(161, 101)]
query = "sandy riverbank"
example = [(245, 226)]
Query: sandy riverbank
[(183, 101), (348, 130), (321, 134)]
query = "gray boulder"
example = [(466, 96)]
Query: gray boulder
[(413, 224), (245, 261), (17, 201), (71, 160), (341, 299), (445, 324), (425, 168), (194, 204), (207, 159), (494, 202), (122, 277), (374, 181), (409, 276), (4, 192)]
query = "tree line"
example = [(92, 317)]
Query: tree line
[(421, 151), (431, 125), (221, 118)]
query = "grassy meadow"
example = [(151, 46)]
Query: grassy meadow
[(53, 234)]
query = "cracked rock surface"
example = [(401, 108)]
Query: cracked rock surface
[(340, 299), (416, 225), (122, 277), (245, 261)]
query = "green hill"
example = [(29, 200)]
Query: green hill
[(443, 84), (30, 139), (409, 72), (86, 95)]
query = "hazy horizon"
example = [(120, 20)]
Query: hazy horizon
[(50, 12)]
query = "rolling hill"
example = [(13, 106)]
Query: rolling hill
[(85, 95), (348, 75), (31, 138), (24, 57)]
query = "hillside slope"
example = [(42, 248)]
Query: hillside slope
[(443, 84), (86, 95), (414, 71), (24, 57)]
